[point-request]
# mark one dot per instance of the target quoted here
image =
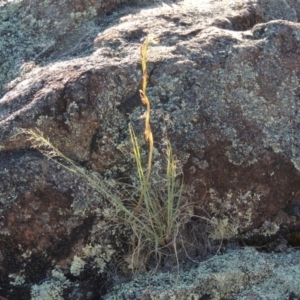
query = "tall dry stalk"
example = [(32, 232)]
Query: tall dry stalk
[(151, 39)]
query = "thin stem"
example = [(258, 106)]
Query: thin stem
[(151, 39)]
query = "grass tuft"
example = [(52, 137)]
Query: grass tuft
[(163, 214), (159, 219)]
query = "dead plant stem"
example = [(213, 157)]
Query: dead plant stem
[(151, 39)]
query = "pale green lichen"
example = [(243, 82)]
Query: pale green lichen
[(51, 288), (269, 228), (5, 231), (231, 212), (97, 255), (18, 279), (223, 229), (77, 265)]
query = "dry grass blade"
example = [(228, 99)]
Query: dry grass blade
[(151, 39)]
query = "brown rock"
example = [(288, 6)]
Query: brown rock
[(223, 83)]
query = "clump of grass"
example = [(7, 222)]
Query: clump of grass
[(160, 208), (162, 215), (164, 210), (159, 216)]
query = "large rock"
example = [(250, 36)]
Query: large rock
[(224, 86)]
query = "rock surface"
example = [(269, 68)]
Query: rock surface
[(224, 85), (241, 275)]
